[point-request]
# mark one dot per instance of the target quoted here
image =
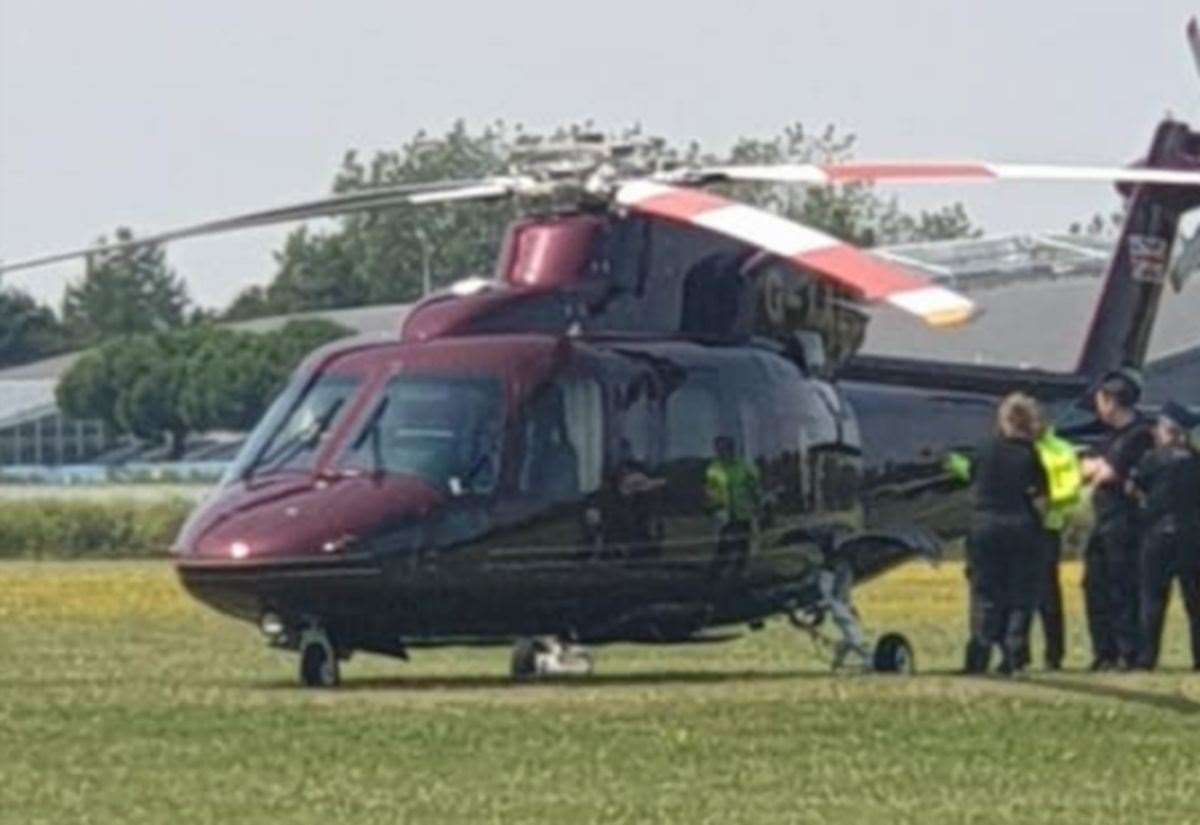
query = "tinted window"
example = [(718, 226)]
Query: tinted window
[(563, 431), (693, 421), (638, 410), (694, 417), (445, 430)]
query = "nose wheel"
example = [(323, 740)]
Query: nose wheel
[(549, 656), (893, 654), (318, 660)]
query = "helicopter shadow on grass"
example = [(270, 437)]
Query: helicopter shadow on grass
[(1107, 690), (467, 683)]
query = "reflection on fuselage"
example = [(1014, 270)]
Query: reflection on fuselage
[(460, 488)]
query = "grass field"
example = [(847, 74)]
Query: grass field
[(122, 701)]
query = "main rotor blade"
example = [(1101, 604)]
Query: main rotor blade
[(417, 194), (1193, 38), (872, 278), (931, 172)]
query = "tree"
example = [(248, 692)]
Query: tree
[(133, 385), (164, 386), (232, 377), (126, 291), (379, 256), (28, 330)]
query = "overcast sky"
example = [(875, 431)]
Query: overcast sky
[(154, 114)]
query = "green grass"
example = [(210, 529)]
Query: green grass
[(114, 491), (122, 701)]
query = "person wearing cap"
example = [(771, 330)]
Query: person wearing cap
[(1110, 561), (1003, 547), (1167, 483)]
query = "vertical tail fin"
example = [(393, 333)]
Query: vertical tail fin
[(1125, 314)]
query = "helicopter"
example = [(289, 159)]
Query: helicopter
[(524, 461)]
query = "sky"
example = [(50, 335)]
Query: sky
[(153, 114)]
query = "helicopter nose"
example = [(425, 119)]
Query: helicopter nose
[(322, 520)]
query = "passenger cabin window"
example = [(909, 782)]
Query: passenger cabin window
[(563, 432), (693, 421), (638, 410), (445, 430)]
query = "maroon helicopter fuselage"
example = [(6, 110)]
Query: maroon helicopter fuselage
[(531, 458)]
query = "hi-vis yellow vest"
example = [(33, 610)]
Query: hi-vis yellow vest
[(1064, 477)]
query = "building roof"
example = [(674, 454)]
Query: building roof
[(23, 399), (1037, 295)]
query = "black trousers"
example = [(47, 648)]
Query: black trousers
[(1004, 569), (1166, 556), (1049, 604), (978, 651), (1110, 589), (733, 548)]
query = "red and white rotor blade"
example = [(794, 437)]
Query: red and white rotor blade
[(943, 172), (871, 278)]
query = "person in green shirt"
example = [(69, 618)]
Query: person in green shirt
[(1064, 481), (734, 496)]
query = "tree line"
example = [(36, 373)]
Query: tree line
[(161, 387)]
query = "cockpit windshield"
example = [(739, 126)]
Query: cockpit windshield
[(289, 435), (447, 430)]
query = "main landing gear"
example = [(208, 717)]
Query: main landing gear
[(318, 659), (549, 656), (892, 653)]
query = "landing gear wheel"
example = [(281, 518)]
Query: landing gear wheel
[(318, 661), (523, 665), (549, 656), (893, 654)]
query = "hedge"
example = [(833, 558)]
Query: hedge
[(75, 529)]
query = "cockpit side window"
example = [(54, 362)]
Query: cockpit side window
[(563, 433)]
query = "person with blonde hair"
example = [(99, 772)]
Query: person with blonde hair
[(1003, 547)]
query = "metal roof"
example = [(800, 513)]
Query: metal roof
[(1037, 294), (1024, 255), (23, 399)]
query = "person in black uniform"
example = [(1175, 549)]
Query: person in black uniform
[(1110, 561), (1005, 539), (1167, 483)]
